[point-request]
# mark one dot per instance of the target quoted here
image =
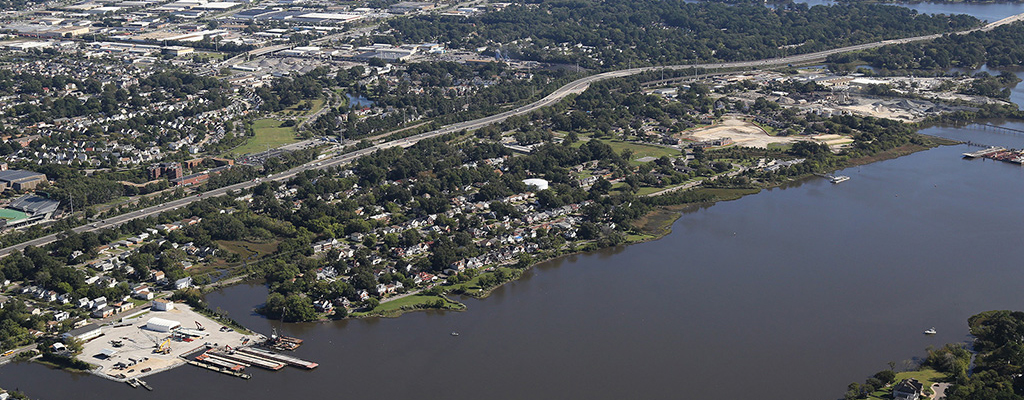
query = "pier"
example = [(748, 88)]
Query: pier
[(210, 356), (985, 152), (1003, 128), (211, 367), (209, 359), (293, 361), (249, 359)]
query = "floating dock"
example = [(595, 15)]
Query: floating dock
[(999, 154), (220, 362), (250, 359), (211, 367), (293, 361), (214, 357), (985, 152)]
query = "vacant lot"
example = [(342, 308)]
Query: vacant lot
[(269, 134), (639, 150), (742, 132)]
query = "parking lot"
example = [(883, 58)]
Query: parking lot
[(128, 349)]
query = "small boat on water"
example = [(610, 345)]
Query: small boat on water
[(132, 383), (838, 178), (930, 331), (455, 334)]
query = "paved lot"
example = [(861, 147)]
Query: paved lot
[(139, 343)]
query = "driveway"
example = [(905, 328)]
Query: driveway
[(940, 390)]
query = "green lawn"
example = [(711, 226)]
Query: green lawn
[(406, 303), (779, 146), (472, 286), (639, 150), (926, 376), (317, 105), (209, 55), (269, 134)]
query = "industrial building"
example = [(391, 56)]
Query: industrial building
[(84, 333), (20, 180), (162, 325), (178, 51)]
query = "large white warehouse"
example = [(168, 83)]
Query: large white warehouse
[(162, 325)]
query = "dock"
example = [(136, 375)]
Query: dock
[(211, 367), (250, 359), (985, 152), (220, 362), (293, 361), (209, 356)]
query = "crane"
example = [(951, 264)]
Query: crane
[(199, 326), (164, 348)]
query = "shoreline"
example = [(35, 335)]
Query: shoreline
[(668, 215)]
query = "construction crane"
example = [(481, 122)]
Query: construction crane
[(164, 348), (199, 326)]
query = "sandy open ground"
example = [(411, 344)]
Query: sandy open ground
[(140, 342), (742, 132)]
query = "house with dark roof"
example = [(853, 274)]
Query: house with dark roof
[(909, 389)]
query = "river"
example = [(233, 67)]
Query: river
[(788, 294), (990, 12)]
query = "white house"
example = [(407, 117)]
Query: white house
[(162, 305)]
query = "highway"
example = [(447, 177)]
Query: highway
[(574, 87)]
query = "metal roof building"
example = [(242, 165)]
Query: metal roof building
[(34, 205), (84, 333), (162, 325), (21, 180)]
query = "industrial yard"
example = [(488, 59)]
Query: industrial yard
[(153, 341)]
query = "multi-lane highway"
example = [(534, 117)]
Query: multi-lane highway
[(574, 87)]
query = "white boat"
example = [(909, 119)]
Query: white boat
[(838, 178), (930, 331), (455, 334)]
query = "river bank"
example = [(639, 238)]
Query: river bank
[(653, 226), (698, 307)]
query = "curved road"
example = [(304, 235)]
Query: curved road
[(574, 87)]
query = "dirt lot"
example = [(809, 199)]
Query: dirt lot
[(139, 343), (743, 133)]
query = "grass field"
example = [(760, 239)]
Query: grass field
[(413, 302), (269, 134), (317, 105), (639, 150)]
